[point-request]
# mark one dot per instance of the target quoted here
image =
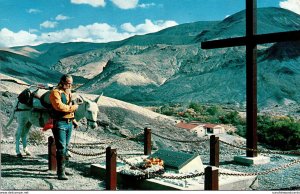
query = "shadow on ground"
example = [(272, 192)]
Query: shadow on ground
[(31, 167)]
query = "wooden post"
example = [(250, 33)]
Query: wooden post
[(251, 77), (214, 151), (51, 154), (147, 141), (111, 169), (211, 181)]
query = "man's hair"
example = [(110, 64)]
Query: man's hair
[(64, 78)]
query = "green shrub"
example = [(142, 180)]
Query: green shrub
[(232, 118), (197, 107), (241, 130), (281, 133), (215, 110), (167, 110)]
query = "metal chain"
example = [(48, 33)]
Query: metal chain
[(231, 174), (107, 142), (262, 151), (146, 174), (262, 173), (131, 165), (88, 146), (132, 153), (127, 138), (280, 152), (154, 174), (95, 144), (243, 148), (86, 154), (181, 177), (130, 149), (182, 141)]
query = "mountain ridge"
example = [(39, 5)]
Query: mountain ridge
[(169, 66)]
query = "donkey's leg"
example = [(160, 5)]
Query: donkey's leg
[(24, 138), (18, 137)]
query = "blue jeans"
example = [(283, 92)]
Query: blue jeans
[(62, 131)]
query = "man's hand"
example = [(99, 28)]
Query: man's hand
[(75, 106), (75, 124)]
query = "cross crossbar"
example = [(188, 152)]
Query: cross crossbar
[(256, 39)]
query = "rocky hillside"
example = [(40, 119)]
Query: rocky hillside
[(116, 119), (169, 66)]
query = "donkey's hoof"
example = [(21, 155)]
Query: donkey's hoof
[(19, 156), (68, 154), (27, 153)]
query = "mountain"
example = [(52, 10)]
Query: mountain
[(163, 73), (25, 68), (269, 20), (169, 66)]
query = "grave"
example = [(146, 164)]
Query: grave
[(176, 164), (179, 162)]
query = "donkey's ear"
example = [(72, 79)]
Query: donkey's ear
[(79, 100), (97, 100)]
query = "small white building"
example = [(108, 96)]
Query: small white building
[(201, 129), (192, 127), (212, 129)]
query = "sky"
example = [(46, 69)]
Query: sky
[(33, 22)]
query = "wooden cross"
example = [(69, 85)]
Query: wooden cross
[(250, 41)]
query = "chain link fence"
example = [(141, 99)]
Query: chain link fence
[(187, 176)]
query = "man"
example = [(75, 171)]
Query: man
[(63, 118)]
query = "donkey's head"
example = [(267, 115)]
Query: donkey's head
[(88, 109)]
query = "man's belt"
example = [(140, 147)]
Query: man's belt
[(65, 119)]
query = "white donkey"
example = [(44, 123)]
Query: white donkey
[(28, 116)]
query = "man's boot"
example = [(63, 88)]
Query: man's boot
[(68, 172), (61, 168), (67, 158)]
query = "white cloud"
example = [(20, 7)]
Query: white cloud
[(97, 32), (125, 4), (292, 5), (9, 38), (48, 24), (34, 11), (31, 30), (148, 26), (91, 33), (122, 4), (94, 3), (143, 5), (61, 17)]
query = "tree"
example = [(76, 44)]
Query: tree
[(197, 107), (281, 133)]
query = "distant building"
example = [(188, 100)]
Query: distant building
[(201, 129), (193, 127), (213, 129)]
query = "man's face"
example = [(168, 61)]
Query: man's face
[(68, 84)]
